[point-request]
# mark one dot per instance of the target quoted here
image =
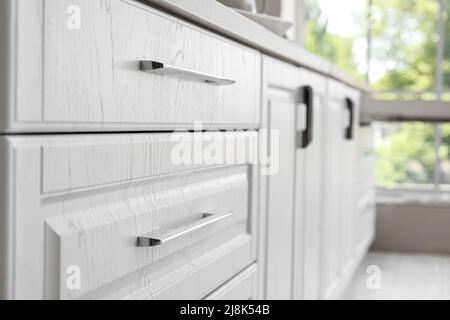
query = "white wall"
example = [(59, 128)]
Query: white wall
[(414, 228)]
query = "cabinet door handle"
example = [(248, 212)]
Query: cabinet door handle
[(163, 236), (156, 67), (351, 111), (307, 94)]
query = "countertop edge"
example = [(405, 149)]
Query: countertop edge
[(225, 21)]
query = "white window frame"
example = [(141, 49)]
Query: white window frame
[(437, 111)]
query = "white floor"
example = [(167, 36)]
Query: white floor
[(402, 276)]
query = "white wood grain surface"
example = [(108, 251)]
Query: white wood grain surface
[(294, 196), (338, 198), (282, 112), (226, 21), (242, 287), (89, 79), (123, 186), (313, 181), (365, 194)]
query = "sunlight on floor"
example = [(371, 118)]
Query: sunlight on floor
[(403, 276)]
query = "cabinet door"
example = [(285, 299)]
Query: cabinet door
[(350, 104), (336, 196), (282, 117), (309, 261), (365, 192), (294, 100), (340, 201), (364, 222)]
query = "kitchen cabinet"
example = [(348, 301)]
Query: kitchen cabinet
[(282, 115), (127, 67), (90, 185), (134, 223), (346, 236), (365, 190), (315, 233), (293, 106), (87, 174), (338, 198), (313, 180)]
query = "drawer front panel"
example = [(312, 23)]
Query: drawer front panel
[(90, 63), (242, 287), (82, 215)]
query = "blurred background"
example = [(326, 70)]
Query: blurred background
[(399, 47), (402, 48)]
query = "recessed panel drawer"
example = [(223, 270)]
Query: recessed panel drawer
[(115, 216), (241, 287), (122, 65)]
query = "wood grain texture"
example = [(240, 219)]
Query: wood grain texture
[(7, 223), (365, 187), (192, 280), (242, 287), (339, 193), (226, 21), (313, 182), (294, 194), (331, 198), (7, 61), (89, 79), (94, 222), (29, 64), (283, 114)]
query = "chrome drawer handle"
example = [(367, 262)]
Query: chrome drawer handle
[(160, 237), (167, 69)]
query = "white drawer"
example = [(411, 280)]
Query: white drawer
[(90, 79), (242, 287), (82, 201)]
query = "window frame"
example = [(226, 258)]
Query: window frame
[(438, 109), (433, 110)]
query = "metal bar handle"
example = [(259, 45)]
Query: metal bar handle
[(161, 236), (307, 96), (156, 67), (349, 131)]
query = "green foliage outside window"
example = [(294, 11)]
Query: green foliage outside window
[(406, 155), (404, 34), (404, 40), (333, 47), (404, 43)]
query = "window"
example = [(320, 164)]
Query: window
[(398, 45), (444, 155), (406, 155), (410, 55), (338, 33), (406, 46), (413, 156), (403, 42), (446, 45), (410, 60)]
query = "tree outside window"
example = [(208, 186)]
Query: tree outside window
[(404, 44)]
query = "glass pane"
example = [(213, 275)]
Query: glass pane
[(444, 153), (425, 96), (338, 32), (404, 44), (446, 61), (405, 155)]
